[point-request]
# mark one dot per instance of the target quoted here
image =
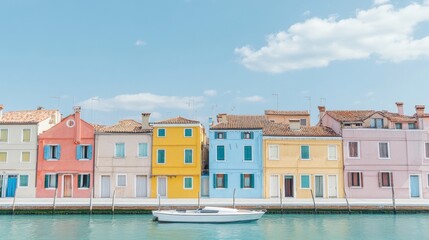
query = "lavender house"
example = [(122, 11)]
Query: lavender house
[(385, 153)]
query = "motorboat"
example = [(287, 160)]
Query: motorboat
[(207, 215)]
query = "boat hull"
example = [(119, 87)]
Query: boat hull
[(198, 217)]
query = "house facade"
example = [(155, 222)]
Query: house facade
[(235, 156), (385, 154), (302, 161), (65, 159), (18, 149), (123, 159), (177, 150)]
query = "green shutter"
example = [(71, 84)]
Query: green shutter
[(56, 180), (251, 135), (161, 156), (220, 153), (242, 135), (46, 181), (305, 152), (79, 180), (242, 180), (248, 153), (305, 181), (214, 181), (252, 180), (225, 179)]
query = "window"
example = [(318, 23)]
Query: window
[(273, 152), (385, 179), (355, 179), (83, 181), (358, 125), (119, 150), (332, 152), (121, 180), (220, 135), (427, 150), (142, 151), (51, 181), (52, 152), (26, 135), (303, 122), (383, 150), (161, 132), (305, 181), (188, 132), (247, 153), (411, 126), (187, 183), (247, 181), (3, 157), (83, 152), (161, 156), (353, 149), (220, 181), (247, 135), (398, 125), (3, 135), (25, 157), (220, 153), (188, 155), (305, 152), (376, 123), (23, 180)]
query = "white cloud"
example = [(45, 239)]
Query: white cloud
[(210, 92), (382, 32), (252, 99), (381, 2), (142, 102), (140, 43)]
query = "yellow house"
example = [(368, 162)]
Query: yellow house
[(176, 158), (300, 161)]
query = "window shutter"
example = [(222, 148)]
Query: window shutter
[(349, 176), (242, 135), (251, 135), (79, 180), (242, 180), (58, 152), (224, 135), (90, 152), (361, 179), (225, 179), (214, 181), (56, 180), (46, 149), (46, 181), (380, 179), (252, 180), (78, 152)]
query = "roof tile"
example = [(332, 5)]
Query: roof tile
[(27, 116)]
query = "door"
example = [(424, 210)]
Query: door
[(205, 186), (332, 186), (162, 186), (289, 186), (318, 180), (68, 186), (105, 186), (11, 185), (274, 186), (141, 186), (415, 186)]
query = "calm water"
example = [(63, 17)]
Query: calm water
[(126, 227)]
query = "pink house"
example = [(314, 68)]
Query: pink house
[(65, 159), (385, 153)]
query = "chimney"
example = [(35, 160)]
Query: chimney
[(145, 120), (210, 121), (420, 110), (78, 134), (221, 117), (1, 111), (322, 110), (400, 106), (294, 124)]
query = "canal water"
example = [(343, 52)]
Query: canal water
[(124, 227)]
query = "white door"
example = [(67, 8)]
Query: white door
[(204, 186), (105, 186), (332, 186), (141, 186), (274, 186), (162, 186)]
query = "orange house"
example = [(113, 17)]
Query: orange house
[(65, 159)]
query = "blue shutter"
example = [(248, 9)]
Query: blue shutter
[(305, 181), (252, 180), (225, 179), (242, 180), (79, 180), (214, 181), (90, 152), (242, 135), (58, 152), (251, 135), (248, 153), (46, 149), (220, 153), (305, 152), (46, 181), (224, 135), (78, 152)]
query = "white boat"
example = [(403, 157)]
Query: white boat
[(207, 215)]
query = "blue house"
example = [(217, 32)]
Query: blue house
[(235, 156)]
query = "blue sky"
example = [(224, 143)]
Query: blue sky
[(197, 58)]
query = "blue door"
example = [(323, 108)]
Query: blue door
[(415, 185), (11, 186)]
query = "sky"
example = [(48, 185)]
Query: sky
[(198, 58)]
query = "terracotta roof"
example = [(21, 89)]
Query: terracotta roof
[(98, 127), (125, 126), (287, 113), (178, 120), (279, 129), (350, 116), (242, 122), (29, 116), (396, 117)]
